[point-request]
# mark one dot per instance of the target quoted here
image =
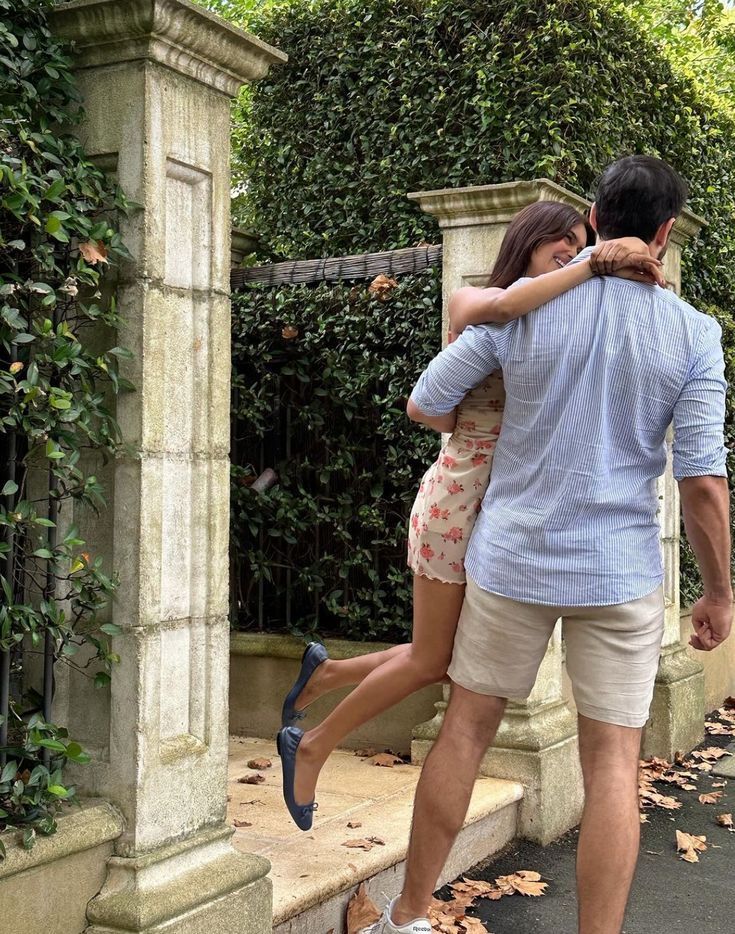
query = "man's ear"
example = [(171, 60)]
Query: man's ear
[(593, 217), (662, 235)]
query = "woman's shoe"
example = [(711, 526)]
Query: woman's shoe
[(314, 655), (287, 741)]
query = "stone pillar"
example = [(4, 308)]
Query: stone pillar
[(157, 78), (677, 711), (537, 741)]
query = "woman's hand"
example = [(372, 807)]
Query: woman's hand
[(627, 257)]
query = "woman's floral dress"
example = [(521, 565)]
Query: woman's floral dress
[(450, 494)]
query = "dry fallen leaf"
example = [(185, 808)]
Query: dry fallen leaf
[(473, 925), (254, 778), (361, 911), (524, 882), (688, 845), (93, 253), (362, 844), (719, 784), (386, 759), (354, 824), (241, 823), (476, 888), (721, 729), (259, 764), (712, 798), (644, 818), (729, 703), (365, 753), (377, 841), (725, 820), (289, 332), (381, 287), (710, 754)]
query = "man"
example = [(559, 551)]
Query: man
[(569, 529)]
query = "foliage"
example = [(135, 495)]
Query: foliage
[(340, 362), (58, 372), (698, 38), (395, 96)]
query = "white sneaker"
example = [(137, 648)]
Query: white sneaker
[(384, 925)]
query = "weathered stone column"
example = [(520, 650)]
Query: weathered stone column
[(537, 741), (677, 711), (157, 77)]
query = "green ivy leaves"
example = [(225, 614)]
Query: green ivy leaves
[(326, 544)]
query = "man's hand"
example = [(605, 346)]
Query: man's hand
[(711, 621), (629, 258)]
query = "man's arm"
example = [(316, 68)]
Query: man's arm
[(705, 503), (460, 367), (699, 466)]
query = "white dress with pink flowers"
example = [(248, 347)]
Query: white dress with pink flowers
[(450, 494)]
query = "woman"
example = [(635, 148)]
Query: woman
[(539, 243)]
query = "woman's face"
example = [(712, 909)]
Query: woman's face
[(557, 253)]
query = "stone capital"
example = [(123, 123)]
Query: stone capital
[(687, 227), (491, 204), (174, 33)]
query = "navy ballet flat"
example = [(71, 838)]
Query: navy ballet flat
[(314, 655), (287, 741)]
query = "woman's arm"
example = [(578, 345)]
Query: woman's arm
[(470, 305)]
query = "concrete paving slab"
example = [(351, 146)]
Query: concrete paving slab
[(313, 873)]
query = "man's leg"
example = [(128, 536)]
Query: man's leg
[(443, 794), (610, 832)]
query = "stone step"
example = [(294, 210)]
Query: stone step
[(313, 874)]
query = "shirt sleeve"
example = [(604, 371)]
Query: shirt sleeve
[(699, 413), (460, 367)]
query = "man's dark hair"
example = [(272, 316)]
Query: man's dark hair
[(637, 194)]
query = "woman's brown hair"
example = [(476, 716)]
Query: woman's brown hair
[(538, 223)]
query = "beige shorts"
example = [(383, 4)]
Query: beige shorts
[(612, 652)]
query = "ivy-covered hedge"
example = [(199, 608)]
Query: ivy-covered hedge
[(58, 374), (321, 375)]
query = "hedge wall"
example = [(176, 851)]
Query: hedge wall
[(390, 96), (320, 378)]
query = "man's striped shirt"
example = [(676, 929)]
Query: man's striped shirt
[(593, 379)]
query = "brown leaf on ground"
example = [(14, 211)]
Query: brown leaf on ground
[(689, 787), (241, 823), (443, 916), (710, 754), (386, 759), (649, 797), (473, 926), (363, 844), (93, 253), (352, 866), (720, 729), (476, 888), (377, 841), (259, 764), (254, 778), (354, 824), (688, 845), (361, 911), (365, 753), (643, 817), (523, 882), (729, 703), (289, 332), (725, 820), (712, 798), (719, 784)]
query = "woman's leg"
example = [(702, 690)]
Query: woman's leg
[(436, 608), (343, 672)]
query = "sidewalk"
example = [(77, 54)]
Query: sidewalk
[(669, 896)]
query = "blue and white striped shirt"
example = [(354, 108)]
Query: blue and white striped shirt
[(593, 379)]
